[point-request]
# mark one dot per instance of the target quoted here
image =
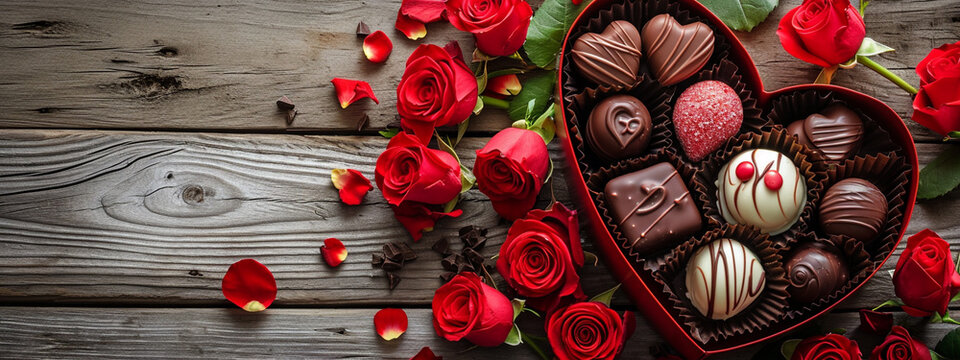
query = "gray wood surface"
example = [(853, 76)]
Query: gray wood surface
[(107, 248)]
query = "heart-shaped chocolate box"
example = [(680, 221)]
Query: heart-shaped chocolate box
[(774, 111)]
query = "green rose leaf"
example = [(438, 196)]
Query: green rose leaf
[(941, 175), (741, 15), (949, 346), (547, 28), (870, 47), (789, 347), (606, 296), (514, 338), (389, 133), (537, 88)]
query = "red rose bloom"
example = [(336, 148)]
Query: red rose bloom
[(925, 277), (541, 256), (937, 105), (409, 171), (499, 26), (437, 89), (588, 330), (511, 169), (822, 32), (466, 308), (830, 347), (900, 346)]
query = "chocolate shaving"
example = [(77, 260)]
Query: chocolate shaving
[(291, 115), (362, 123), (447, 276), (362, 30), (442, 246), (284, 103), (449, 263), (473, 237), (406, 252), (473, 256), (393, 280), (392, 251), (377, 260), (390, 265)]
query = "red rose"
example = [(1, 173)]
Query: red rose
[(900, 346), (541, 256), (925, 277), (588, 330), (510, 170), (827, 347), (466, 308), (409, 171), (937, 105), (499, 26), (437, 89), (419, 217), (822, 32)]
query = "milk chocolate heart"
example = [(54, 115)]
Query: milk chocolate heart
[(674, 51), (619, 127), (837, 132), (610, 58)]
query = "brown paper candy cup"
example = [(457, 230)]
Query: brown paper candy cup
[(858, 261)]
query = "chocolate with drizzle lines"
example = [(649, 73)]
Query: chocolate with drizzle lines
[(723, 278), (752, 201), (610, 58)]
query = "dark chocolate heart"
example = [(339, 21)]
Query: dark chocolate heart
[(610, 58), (837, 132), (674, 51)]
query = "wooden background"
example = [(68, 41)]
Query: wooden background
[(141, 153)]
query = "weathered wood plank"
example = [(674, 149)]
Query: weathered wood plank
[(31, 333), (92, 217), (184, 65)]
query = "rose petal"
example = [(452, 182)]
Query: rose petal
[(426, 354), (333, 252), (424, 11), (876, 321), (390, 323), (249, 285), (349, 91), (418, 218), (412, 29), (453, 48), (352, 184), (377, 47), (504, 85)]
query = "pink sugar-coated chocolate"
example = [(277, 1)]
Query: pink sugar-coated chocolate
[(705, 116)]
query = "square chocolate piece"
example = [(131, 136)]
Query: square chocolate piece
[(653, 208)]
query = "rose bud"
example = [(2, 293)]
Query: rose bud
[(499, 27), (333, 252), (377, 47), (588, 330), (419, 217), (437, 89), (249, 285), (349, 91), (898, 345), (390, 323), (412, 29), (937, 104), (409, 171), (822, 32), (425, 11), (541, 256), (926, 278), (830, 346), (352, 184), (466, 308), (511, 169), (505, 85)]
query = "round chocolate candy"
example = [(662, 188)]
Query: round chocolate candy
[(619, 127), (814, 271), (853, 207), (723, 278), (762, 188), (837, 132)]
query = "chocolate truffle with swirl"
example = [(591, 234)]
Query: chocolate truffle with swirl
[(723, 278), (619, 127), (815, 271)]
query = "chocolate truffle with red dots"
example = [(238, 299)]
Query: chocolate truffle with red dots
[(763, 188)]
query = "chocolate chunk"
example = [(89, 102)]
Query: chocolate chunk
[(362, 123), (449, 263), (392, 251), (675, 52), (442, 246), (447, 276), (393, 280), (465, 266), (724, 278), (284, 103), (406, 252), (377, 260), (652, 208), (291, 115), (473, 256), (390, 265), (473, 236), (853, 207), (362, 30), (619, 128), (837, 132), (814, 271), (610, 58)]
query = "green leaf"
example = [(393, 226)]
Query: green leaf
[(589, 257), (547, 29), (517, 307), (741, 15), (935, 356), (537, 88), (941, 175), (476, 111), (953, 135), (544, 125), (870, 47), (514, 337), (532, 311), (789, 347), (482, 79), (549, 172), (389, 133), (502, 72), (606, 296), (467, 179), (863, 5), (462, 127), (838, 331), (893, 302), (479, 56), (949, 346)]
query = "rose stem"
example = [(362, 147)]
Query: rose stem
[(886, 73), (527, 340), (494, 102)]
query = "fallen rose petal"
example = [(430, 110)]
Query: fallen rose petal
[(390, 323), (424, 11), (504, 85), (333, 252), (249, 285), (426, 354), (418, 218), (412, 29), (352, 184), (876, 321), (349, 91), (377, 47)]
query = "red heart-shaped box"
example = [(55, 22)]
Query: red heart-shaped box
[(635, 285)]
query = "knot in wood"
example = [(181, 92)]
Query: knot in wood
[(192, 194)]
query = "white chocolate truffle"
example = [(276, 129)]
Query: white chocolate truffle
[(723, 278), (763, 188)]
